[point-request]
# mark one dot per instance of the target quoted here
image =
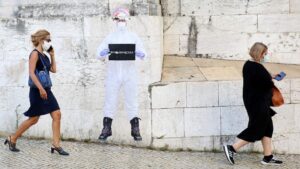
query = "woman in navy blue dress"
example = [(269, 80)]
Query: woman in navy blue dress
[(42, 100)]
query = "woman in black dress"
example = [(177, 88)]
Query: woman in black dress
[(42, 100), (257, 96)]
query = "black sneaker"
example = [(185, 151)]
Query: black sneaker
[(273, 161), (229, 152)]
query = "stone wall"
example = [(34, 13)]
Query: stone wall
[(227, 29), (205, 115), (173, 116), (77, 28)]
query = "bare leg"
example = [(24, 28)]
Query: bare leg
[(23, 127), (240, 143), (267, 145), (56, 116)]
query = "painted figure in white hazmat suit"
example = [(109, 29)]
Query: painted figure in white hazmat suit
[(121, 73)]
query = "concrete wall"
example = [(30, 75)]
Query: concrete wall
[(205, 115), (227, 29), (177, 115), (79, 83)]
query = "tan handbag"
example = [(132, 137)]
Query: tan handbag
[(277, 99)]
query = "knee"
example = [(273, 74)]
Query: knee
[(56, 116), (34, 120)]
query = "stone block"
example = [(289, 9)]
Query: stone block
[(171, 7), (295, 91), (183, 45), (297, 117), (202, 94), (295, 6), (268, 7), (213, 7), (168, 143), (207, 143), (169, 96), (286, 58), (221, 42), (231, 93), (285, 115), (177, 25), (167, 123), (284, 43), (235, 23), (234, 119), (202, 121), (171, 44), (283, 22)]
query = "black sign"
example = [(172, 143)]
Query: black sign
[(122, 51)]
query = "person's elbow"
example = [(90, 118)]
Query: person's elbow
[(53, 70), (31, 74)]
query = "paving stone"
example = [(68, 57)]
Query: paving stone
[(35, 154)]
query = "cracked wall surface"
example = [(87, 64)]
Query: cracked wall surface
[(77, 27), (227, 29), (222, 29)]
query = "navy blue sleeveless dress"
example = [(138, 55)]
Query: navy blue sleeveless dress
[(38, 106)]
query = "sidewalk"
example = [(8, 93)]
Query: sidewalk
[(35, 154)]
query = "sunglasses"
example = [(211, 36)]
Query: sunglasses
[(119, 20), (48, 40)]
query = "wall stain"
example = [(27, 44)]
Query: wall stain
[(192, 39)]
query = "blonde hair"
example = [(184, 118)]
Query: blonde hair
[(38, 36), (257, 50)]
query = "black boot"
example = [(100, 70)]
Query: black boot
[(106, 131), (135, 130)]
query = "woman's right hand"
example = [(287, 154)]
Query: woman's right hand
[(43, 94)]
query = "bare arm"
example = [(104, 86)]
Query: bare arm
[(32, 66)]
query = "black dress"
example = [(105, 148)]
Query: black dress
[(257, 96), (38, 106)]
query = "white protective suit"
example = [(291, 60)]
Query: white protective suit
[(121, 73)]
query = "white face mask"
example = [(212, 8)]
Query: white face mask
[(121, 25), (46, 45), (265, 59)]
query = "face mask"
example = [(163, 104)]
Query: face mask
[(265, 59), (121, 25), (46, 45)]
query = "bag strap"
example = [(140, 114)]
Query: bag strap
[(44, 66)]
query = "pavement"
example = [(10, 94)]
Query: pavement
[(35, 154), (186, 69)]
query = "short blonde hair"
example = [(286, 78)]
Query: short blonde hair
[(38, 36), (257, 50)]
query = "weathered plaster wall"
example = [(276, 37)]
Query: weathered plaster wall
[(77, 28), (226, 29), (205, 115), (173, 115)]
